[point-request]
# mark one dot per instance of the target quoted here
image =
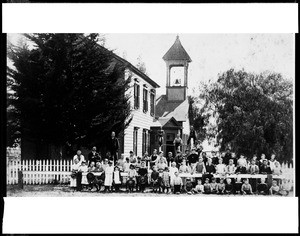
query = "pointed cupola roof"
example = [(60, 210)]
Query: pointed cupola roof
[(177, 52)]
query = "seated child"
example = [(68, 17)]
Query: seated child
[(207, 187), (117, 178), (177, 183), (92, 167), (160, 180), (142, 177), (166, 180), (188, 186), (285, 188), (199, 188), (228, 186), (154, 179), (262, 187), (132, 174), (221, 187), (246, 187), (213, 185), (238, 185), (274, 189)]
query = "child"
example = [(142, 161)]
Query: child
[(262, 187), (166, 180), (154, 179), (142, 177), (117, 178), (221, 187), (126, 168), (221, 168), (184, 169), (177, 183), (238, 185), (228, 186), (172, 171), (92, 167), (74, 169), (160, 180), (274, 189), (207, 187), (189, 186), (277, 169), (108, 177), (285, 188), (213, 185), (199, 188), (230, 169), (83, 168), (246, 187), (132, 174)]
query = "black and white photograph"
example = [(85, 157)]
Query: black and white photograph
[(186, 116)]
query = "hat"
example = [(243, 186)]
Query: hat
[(110, 162), (131, 166), (166, 168)]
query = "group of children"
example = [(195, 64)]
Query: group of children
[(163, 179)]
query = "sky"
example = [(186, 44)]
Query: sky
[(210, 53)]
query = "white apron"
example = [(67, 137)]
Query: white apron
[(108, 176)]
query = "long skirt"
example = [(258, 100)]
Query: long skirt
[(108, 179), (73, 182)]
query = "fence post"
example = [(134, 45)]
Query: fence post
[(20, 179)]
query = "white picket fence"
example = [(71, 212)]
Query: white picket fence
[(58, 171), (39, 171)]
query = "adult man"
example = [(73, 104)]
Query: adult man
[(170, 157), (94, 156), (193, 158), (113, 146), (226, 157), (79, 156), (177, 143), (161, 158), (265, 169)]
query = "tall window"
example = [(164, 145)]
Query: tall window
[(145, 100), (152, 97), (144, 141), (135, 140), (136, 96)]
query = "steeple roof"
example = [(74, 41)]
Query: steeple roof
[(177, 52)]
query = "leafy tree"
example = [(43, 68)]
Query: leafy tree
[(67, 90), (254, 113), (141, 65)]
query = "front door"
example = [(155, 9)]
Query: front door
[(169, 143)]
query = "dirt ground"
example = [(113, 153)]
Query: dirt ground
[(66, 191)]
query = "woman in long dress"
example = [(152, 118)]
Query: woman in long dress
[(108, 176), (74, 167)]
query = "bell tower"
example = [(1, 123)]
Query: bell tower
[(177, 63)]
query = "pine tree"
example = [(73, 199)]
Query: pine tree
[(68, 90)]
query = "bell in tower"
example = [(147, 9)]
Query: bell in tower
[(177, 62)]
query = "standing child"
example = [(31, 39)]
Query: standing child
[(154, 179), (166, 180), (177, 183), (199, 188), (108, 177), (172, 171), (207, 187), (238, 185), (221, 187), (117, 179), (74, 169), (83, 169), (246, 187)]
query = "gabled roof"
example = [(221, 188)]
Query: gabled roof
[(177, 52), (163, 121), (179, 110), (132, 68)]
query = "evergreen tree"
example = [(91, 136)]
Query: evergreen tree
[(68, 90)]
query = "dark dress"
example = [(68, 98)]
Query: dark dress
[(193, 158), (95, 157)]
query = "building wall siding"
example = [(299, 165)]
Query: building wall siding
[(140, 119)]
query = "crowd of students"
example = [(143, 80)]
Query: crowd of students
[(160, 174)]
